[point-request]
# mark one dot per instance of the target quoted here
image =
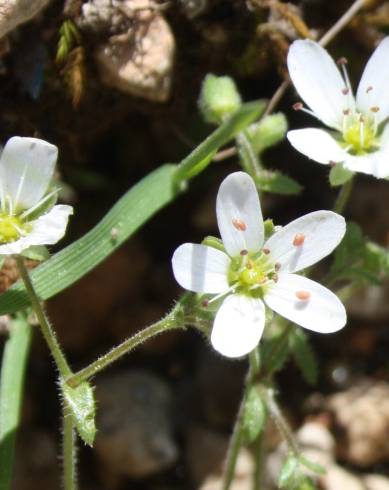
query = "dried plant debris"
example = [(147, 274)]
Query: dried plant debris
[(16, 12)]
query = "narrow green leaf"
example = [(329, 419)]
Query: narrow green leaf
[(204, 152), (303, 355), (139, 204), (277, 183), (13, 370), (254, 415), (80, 405)]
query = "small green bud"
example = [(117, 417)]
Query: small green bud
[(219, 98), (339, 175), (81, 405), (267, 132), (254, 415)]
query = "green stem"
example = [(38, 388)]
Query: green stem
[(236, 440), (259, 459), (11, 393), (47, 331), (247, 155), (343, 197), (170, 322), (69, 452), (281, 423)]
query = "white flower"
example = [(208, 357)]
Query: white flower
[(359, 134), (26, 217), (252, 273)]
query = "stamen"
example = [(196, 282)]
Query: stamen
[(332, 164), (298, 106), (346, 112), (303, 295), (243, 252), (266, 251), (369, 89), (299, 239), (374, 108), (224, 293), (361, 132), (345, 90), (239, 224), (205, 303), (39, 204), (277, 266), (342, 62), (275, 277), (10, 210)]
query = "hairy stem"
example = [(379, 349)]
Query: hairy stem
[(69, 452), (47, 331), (343, 197), (13, 370), (170, 322)]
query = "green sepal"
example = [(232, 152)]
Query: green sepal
[(269, 228), (212, 241), (219, 98), (289, 472), (303, 355), (277, 183), (254, 415), (36, 252), (314, 467), (81, 405), (267, 132), (339, 175)]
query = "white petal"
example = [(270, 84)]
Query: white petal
[(238, 325), (316, 144), (318, 81), (375, 163), (323, 312), (26, 168), (322, 230), (239, 214), (376, 76), (200, 268), (46, 230)]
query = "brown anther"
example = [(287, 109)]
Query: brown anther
[(275, 277), (239, 224), (361, 118), (243, 252), (205, 303), (342, 61), (369, 89), (297, 106), (332, 164), (374, 108), (303, 295), (299, 239), (346, 112), (277, 266), (345, 90), (266, 251)]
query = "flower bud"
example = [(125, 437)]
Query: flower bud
[(219, 98), (267, 132)]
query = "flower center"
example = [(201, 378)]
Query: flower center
[(252, 274), (359, 132), (11, 228)]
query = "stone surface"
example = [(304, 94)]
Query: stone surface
[(134, 437), (16, 12), (362, 414), (138, 52)]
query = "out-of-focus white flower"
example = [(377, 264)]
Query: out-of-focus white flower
[(252, 273), (27, 216), (359, 134)]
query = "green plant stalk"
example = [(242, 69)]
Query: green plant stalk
[(47, 331), (248, 158), (170, 322), (13, 370), (343, 196), (259, 452), (69, 452)]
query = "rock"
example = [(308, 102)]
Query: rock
[(134, 437), (337, 478), (362, 414), (376, 482), (137, 58), (16, 12)]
